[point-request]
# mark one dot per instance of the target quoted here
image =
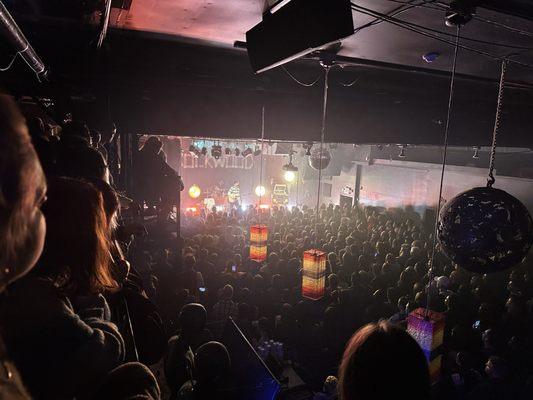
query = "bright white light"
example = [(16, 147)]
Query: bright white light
[(244, 207), (264, 206), (289, 176), (260, 191), (219, 208), (194, 191)]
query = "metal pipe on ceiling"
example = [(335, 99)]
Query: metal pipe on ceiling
[(11, 31)]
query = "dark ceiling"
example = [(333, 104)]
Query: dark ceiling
[(169, 67), (224, 22)]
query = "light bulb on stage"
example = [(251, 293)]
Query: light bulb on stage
[(260, 191), (289, 176), (194, 191)]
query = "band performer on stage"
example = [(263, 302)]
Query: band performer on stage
[(234, 195)]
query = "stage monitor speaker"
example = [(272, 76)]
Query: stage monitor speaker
[(294, 28)]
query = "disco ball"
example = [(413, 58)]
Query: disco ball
[(314, 158), (485, 230)]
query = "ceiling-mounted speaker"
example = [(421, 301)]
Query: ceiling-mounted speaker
[(293, 28)]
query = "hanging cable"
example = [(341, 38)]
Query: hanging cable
[(13, 59), (6, 68), (439, 6), (351, 83), (398, 10), (414, 25), (444, 159), (298, 81), (322, 135), (261, 166), (401, 24), (491, 180)]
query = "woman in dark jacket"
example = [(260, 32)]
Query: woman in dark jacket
[(56, 322)]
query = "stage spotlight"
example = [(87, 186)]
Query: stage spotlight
[(260, 191), (228, 151), (289, 176), (216, 151), (290, 167), (402, 152), (204, 151), (248, 151), (237, 152), (257, 151), (194, 191), (476, 152)]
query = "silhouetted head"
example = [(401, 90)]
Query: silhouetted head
[(383, 361)]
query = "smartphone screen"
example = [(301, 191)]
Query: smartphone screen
[(233, 268), (202, 289)]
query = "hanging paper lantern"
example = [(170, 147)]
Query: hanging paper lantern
[(427, 328), (258, 242), (314, 274), (316, 155), (485, 230)]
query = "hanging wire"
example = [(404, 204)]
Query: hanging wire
[(406, 6), (410, 27), (261, 166), (444, 158), (414, 25), (351, 83), (439, 6), (6, 68), (322, 135), (298, 81), (491, 180)]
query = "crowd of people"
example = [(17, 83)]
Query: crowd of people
[(100, 303)]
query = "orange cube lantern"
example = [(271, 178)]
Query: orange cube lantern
[(314, 274), (258, 242), (427, 328)]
